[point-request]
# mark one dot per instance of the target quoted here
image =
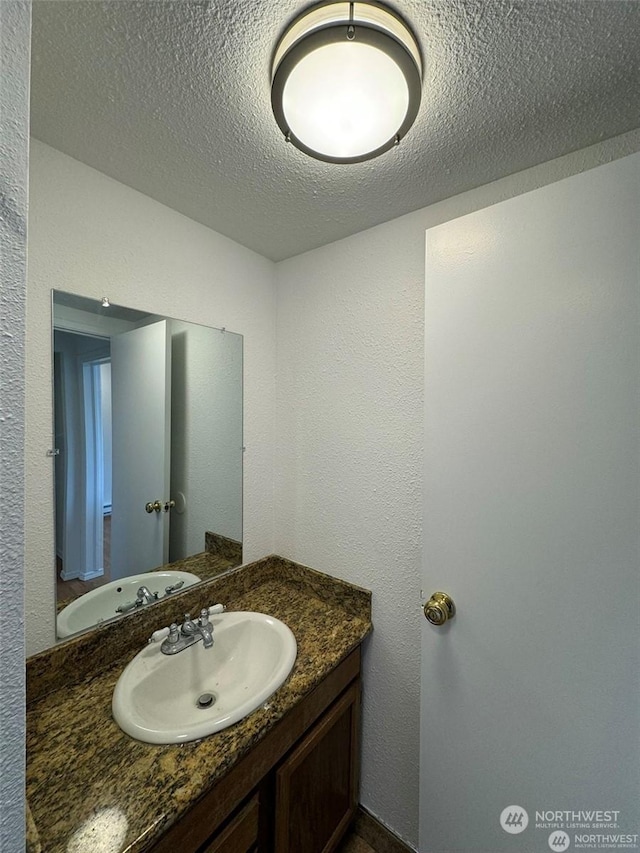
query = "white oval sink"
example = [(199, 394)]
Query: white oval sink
[(103, 602), (156, 697)]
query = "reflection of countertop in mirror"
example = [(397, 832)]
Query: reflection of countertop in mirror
[(205, 565), (85, 775)]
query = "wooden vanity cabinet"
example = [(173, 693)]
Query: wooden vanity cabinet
[(317, 783), (241, 835), (296, 791)]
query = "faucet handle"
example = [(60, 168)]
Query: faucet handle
[(127, 606), (170, 634), (203, 619), (159, 635), (188, 626), (171, 644)]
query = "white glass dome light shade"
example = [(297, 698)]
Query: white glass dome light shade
[(349, 89), (345, 99)]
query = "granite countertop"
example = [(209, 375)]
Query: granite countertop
[(205, 565), (89, 784)]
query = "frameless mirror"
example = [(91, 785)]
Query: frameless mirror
[(148, 457)]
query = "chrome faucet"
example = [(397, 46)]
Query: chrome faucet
[(203, 627), (145, 596), (190, 632)]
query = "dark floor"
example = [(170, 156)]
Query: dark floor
[(367, 835), (354, 844)]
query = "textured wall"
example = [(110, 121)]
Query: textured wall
[(15, 24), (93, 236), (349, 453)]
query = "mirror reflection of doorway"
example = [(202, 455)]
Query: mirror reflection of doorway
[(82, 377), (176, 434), (112, 421)]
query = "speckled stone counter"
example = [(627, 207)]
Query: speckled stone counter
[(87, 780), (206, 564), (230, 549), (32, 839)]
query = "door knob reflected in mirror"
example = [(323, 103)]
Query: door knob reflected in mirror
[(159, 506), (439, 609)]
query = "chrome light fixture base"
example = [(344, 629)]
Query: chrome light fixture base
[(346, 81)]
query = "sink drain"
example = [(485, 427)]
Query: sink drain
[(206, 700)]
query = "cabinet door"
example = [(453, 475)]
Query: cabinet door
[(317, 784)]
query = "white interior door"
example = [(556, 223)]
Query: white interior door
[(530, 694), (141, 409)]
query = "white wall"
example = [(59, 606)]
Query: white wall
[(93, 236), (15, 28), (349, 453)]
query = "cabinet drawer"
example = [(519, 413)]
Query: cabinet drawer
[(240, 835)]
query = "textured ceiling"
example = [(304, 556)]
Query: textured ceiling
[(172, 98)]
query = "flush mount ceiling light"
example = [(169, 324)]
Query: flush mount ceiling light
[(346, 81)]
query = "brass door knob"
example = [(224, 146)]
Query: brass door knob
[(156, 506), (439, 609)]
